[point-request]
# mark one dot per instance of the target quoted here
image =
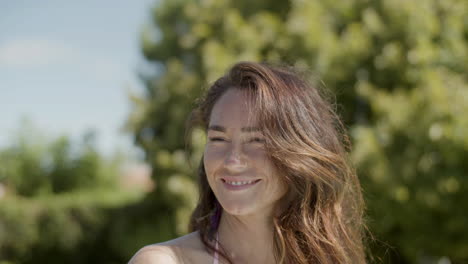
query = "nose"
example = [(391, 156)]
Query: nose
[(235, 160)]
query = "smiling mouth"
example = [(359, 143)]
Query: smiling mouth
[(241, 183)]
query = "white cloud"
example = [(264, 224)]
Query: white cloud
[(34, 53)]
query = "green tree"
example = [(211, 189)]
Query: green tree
[(398, 68), (59, 200), (34, 165)]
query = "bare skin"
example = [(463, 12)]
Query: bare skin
[(187, 249), (237, 151), (246, 226)]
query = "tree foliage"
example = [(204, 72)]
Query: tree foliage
[(399, 71), (35, 165), (59, 200)]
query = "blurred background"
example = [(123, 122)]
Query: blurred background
[(94, 95)]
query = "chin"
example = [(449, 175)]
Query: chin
[(237, 208)]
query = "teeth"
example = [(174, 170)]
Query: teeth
[(239, 182)]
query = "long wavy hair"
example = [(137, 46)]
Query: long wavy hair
[(308, 144)]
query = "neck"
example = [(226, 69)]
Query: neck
[(247, 238)]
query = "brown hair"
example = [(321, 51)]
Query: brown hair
[(307, 142)]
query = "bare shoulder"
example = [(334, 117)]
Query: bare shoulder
[(189, 241), (185, 249), (154, 254)]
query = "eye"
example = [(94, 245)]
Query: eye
[(259, 140), (216, 139)]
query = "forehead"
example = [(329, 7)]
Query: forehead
[(233, 110)]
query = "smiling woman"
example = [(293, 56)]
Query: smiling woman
[(275, 183)]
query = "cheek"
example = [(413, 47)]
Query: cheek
[(276, 182), (257, 154), (211, 159), (262, 164), (206, 162), (262, 160)]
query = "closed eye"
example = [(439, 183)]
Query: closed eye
[(257, 140), (216, 139)]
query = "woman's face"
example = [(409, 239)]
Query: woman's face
[(238, 169)]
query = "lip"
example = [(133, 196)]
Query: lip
[(239, 187), (238, 178)]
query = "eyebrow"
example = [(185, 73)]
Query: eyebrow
[(223, 129)]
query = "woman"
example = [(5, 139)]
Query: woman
[(275, 183)]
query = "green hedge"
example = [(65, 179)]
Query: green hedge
[(68, 228)]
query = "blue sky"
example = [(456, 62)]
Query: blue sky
[(68, 66)]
